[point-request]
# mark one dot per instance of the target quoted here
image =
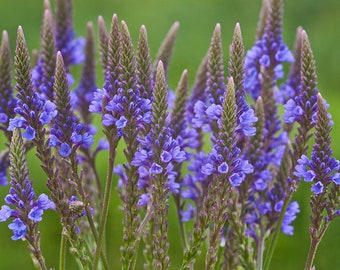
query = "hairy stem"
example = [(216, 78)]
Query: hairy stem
[(106, 201)]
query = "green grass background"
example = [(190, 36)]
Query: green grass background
[(321, 19)]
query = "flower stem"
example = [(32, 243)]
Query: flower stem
[(62, 253), (87, 209), (260, 250), (106, 201), (315, 241), (180, 223)]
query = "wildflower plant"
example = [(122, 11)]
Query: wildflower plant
[(232, 199)]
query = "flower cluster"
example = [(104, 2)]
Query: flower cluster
[(322, 168), (21, 195), (67, 133), (269, 52), (33, 111)]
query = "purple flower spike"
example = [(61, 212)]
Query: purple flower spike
[(25, 208)]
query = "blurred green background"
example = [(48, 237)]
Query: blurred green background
[(321, 19)]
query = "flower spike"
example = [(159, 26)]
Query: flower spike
[(28, 211), (7, 101), (67, 134), (70, 47), (43, 73), (144, 65), (166, 48), (103, 37), (87, 86)]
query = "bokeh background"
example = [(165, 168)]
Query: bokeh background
[(197, 18)]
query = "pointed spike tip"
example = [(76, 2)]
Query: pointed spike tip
[(143, 28), (20, 30), (115, 17), (230, 82), (259, 99), (47, 4), (101, 20), (184, 79), (125, 27), (89, 26), (218, 28), (4, 38), (304, 34), (21, 35), (175, 26), (60, 58), (47, 16), (160, 65), (237, 29)]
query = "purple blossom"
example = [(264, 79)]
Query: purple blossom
[(214, 112), (265, 208), (19, 229), (3, 169), (35, 214), (166, 157), (207, 169), (289, 217), (119, 171), (278, 206), (223, 168), (29, 133), (156, 168), (6, 212), (65, 150), (236, 179), (121, 122), (188, 214), (97, 101), (268, 51), (260, 185), (246, 121), (292, 111), (317, 188), (144, 199), (32, 116)]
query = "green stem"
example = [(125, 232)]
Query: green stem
[(87, 209), (180, 223), (260, 250), (311, 253), (315, 241), (62, 253), (40, 259), (106, 201), (91, 162), (276, 234)]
